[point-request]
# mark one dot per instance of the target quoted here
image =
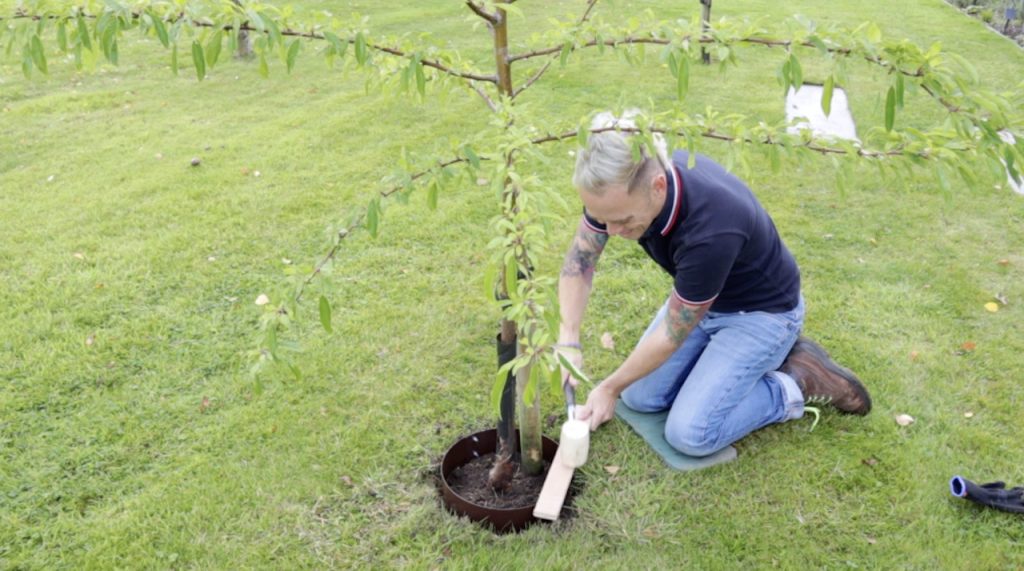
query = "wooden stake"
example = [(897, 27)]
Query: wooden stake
[(556, 486)]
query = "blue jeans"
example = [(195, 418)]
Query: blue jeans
[(721, 384)]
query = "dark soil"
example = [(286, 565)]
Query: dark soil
[(470, 482)]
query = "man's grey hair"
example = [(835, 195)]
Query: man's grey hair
[(608, 159)]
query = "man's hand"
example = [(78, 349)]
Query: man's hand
[(600, 407)]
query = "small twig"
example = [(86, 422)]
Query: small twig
[(479, 11), (540, 73), (483, 95), (344, 233)]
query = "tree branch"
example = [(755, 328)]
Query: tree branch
[(288, 32), (540, 73), (479, 11), (483, 95), (712, 134)]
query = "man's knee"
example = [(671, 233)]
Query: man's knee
[(690, 440), (640, 401)]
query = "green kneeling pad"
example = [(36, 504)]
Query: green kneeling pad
[(651, 427)]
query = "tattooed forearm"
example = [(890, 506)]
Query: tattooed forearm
[(681, 319), (582, 257)]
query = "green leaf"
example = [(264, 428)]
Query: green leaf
[(1009, 157), (511, 277), (578, 374), (555, 382), (432, 191), (273, 32), (26, 62), (198, 60), (335, 42), (474, 160), (83, 33), (38, 55), (966, 65), (264, 68), (826, 95), (691, 149), (683, 78), (530, 392), (361, 51), (62, 36), (213, 48), (500, 378), (174, 59), (293, 52), (295, 370), (796, 72), (161, 30), (373, 217), (421, 78), (563, 57), (890, 109), (899, 90), (325, 313)]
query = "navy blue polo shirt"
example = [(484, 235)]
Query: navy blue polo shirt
[(718, 242)]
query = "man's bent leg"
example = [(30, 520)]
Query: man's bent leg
[(657, 391), (732, 389)]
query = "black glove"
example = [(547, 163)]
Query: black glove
[(993, 494)]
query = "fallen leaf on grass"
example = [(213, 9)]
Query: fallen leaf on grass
[(205, 404), (90, 340), (1004, 262), (968, 414), (607, 342), (969, 346), (872, 540), (612, 469), (991, 307), (869, 461), (347, 481), (914, 355), (1001, 298), (904, 420), (79, 255), (262, 299)]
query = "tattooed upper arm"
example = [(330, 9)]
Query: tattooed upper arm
[(582, 257), (683, 317)]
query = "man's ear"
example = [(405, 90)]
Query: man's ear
[(660, 184)]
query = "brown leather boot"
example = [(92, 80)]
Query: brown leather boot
[(824, 381)]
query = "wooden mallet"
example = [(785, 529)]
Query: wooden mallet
[(571, 454)]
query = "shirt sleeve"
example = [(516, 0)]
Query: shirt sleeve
[(702, 268), (594, 224)]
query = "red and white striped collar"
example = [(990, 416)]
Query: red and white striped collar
[(675, 191)]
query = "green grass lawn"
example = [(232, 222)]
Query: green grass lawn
[(131, 435)]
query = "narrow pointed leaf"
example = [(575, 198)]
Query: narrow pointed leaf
[(826, 95), (264, 68), (899, 90), (578, 374), (38, 55), (198, 60), (62, 36), (421, 79), (890, 109), (213, 48), (796, 72), (511, 277), (432, 191), (161, 30), (293, 52), (83, 34), (683, 78), (325, 313)]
